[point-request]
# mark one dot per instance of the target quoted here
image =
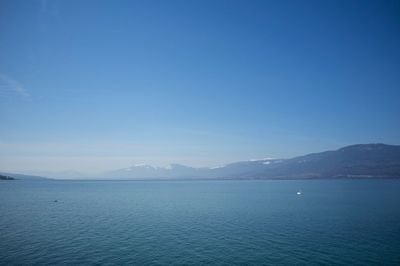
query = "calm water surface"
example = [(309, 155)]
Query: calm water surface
[(334, 222)]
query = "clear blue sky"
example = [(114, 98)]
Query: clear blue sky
[(94, 85)]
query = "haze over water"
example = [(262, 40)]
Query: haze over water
[(333, 222)]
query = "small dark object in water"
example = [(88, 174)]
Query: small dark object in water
[(55, 200)]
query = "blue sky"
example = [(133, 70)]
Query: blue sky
[(95, 85)]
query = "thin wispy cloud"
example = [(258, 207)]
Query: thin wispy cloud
[(49, 7), (43, 5), (8, 85)]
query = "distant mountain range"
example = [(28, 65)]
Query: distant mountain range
[(356, 161)]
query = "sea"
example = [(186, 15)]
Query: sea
[(330, 222)]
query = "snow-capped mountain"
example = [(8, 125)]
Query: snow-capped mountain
[(178, 171), (356, 161), (145, 171)]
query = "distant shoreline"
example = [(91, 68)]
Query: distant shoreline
[(207, 179)]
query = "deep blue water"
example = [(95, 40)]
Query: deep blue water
[(334, 222)]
